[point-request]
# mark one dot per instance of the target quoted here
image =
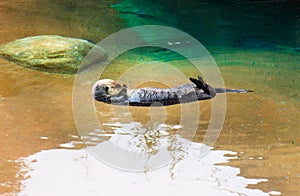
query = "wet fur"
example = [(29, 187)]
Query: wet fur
[(109, 91)]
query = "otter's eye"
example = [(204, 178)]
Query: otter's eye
[(106, 88)]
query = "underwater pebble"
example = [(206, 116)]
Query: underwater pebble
[(44, 138)]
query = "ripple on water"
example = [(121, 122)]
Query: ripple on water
[(76, 172)]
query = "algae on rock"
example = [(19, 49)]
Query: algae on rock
[(50, 53)]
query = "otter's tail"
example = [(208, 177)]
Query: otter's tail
[(226, 90)]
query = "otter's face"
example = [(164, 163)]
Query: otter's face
[(106, 88)]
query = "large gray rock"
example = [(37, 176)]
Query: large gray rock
[(50, 53)]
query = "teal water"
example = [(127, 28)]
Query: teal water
[(244, 23)]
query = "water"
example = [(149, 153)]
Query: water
[(228, 23), (260, 133), (79, 173)]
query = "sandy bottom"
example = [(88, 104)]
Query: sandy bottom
[(37, 115)]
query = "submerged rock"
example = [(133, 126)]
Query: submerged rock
[(50, 53), (136, 12)]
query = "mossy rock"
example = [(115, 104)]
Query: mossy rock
[(50, 53)]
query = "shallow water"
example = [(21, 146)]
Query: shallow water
[(79, 173), (261, 128)]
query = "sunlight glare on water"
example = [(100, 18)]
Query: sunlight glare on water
[(76, 172)]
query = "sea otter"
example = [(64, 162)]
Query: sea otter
[(109, 91)]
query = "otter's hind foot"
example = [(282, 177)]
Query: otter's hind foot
[(201, 84)]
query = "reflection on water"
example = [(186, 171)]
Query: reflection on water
[(138, 147), (76, 172), (180, 165)]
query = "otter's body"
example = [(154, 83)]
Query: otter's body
[(109, 91), (168, 96)]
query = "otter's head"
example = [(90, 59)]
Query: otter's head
[(104, 89)]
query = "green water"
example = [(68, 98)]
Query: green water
[(262, 37), (271, 74), (225, 23)]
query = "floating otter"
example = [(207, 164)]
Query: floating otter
[(109, 91)]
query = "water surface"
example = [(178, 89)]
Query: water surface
[(261, 128)]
